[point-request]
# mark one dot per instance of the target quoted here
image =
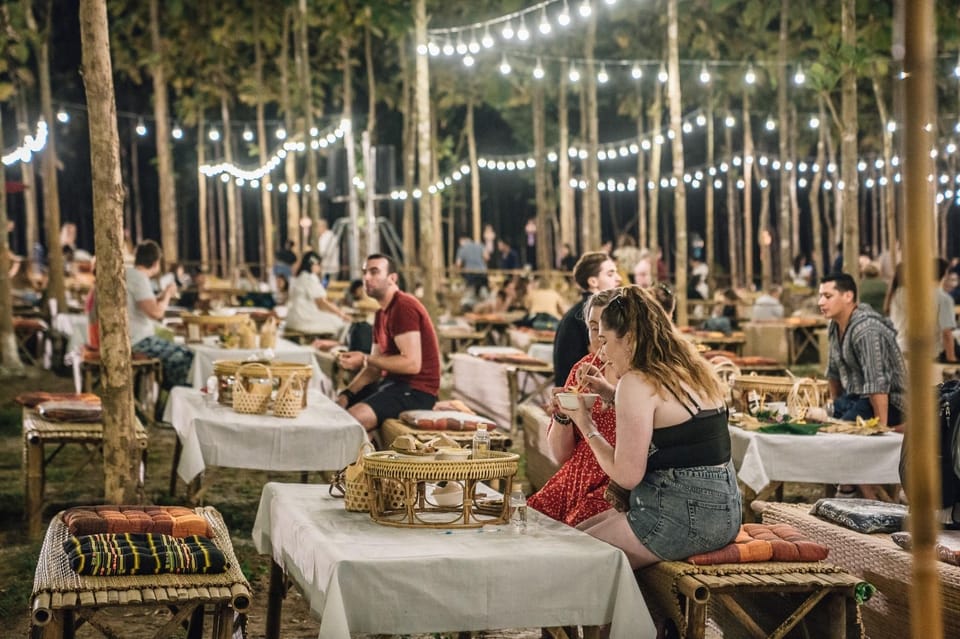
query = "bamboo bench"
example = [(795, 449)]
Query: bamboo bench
[(763, 599), (62, 600)]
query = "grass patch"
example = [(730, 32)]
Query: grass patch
[(16, 562), (10, 421)]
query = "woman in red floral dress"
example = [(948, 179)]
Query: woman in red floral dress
[(575, 492)]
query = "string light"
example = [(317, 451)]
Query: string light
[(31, 144), (770, 124), (214, 135), (704, 75), (468, 60), (662, 74), (474, 46), (281, 133), (538, 71), (141, 128), (504, 66), (487, 40), (563, 18), (750, 77), (545, 27), (799, 77), (62, 116), (602, 76), (573, 74), (585, 9), (176, 132), (507, 32), (814, 122), (247, 134), (522, 34), (636, 72)]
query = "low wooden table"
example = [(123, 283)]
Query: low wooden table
[(39, 433), (767, 599), (390, 429), (62, 600), (527, 382)]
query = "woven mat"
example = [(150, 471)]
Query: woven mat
[(54, 575), (659, 584), (36, 426), (874, 558)]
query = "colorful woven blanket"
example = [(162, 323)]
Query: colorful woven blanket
[(176, 521), (110, 555), (764, 542), (947, 546)]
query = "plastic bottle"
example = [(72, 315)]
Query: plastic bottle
[(481, 442), (518, 510)]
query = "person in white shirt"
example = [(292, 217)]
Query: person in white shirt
[(768, 306), (145, 309), (308, 309)]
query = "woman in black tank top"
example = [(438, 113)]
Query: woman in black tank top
[(673, 447)]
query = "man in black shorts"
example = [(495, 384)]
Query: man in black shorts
[(402, 372)]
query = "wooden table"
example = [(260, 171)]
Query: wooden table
[(38, 433), (527, 383), (455, 339), (363, 578)]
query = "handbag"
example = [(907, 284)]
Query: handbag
[(617, 496)]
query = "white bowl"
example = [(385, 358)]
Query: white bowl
[(453, 454), (448, 496), (571, 400)]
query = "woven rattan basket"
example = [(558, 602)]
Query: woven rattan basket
[(289, 400), (797, 392), (226, 371), (351, 484), (252, 388), (387, 472)]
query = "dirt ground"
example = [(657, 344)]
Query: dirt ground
[(73, 479)]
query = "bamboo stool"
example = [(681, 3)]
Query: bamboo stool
[(63, 600), (874, 558), (746, 599), (37, 434)]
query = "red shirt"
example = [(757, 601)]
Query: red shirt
[(404, 314)]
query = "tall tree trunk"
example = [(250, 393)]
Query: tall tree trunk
[(791, 129), (544, 236), (220, 228), (28, 176), (9, 355), (371, 81), (306, 95), (889, 205), (290, 162), (409, 155), (51, 191), (655, 116), (733, 239), (748, 239), (833, 205), (169, 224), (135, 185), (711, 212), (766, 233), (476, 215), (568, 213), (234, 248), (353, 205), (848, 144), (428, 238), (642, 231), (203, 230), (680, 191), (591, 212), (786, 167), (120, 453), (266, 203), (820, 257)]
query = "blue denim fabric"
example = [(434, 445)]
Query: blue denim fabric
[(680, 512)]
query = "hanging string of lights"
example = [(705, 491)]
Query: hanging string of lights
[(31, 144)]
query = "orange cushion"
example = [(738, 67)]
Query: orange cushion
[(764, 542)]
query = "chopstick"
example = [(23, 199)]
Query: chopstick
[(593, 361)]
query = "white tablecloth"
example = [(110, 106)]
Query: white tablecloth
[(322, 437), (361, 577), (206, 353), (482, 384), (74, 325), (824, 458)]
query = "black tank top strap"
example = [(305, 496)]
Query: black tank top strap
[(684, 404)]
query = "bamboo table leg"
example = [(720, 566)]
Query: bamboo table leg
[(33, 499), (275, 601)]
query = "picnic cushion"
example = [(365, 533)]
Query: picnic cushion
[(32, 399), (947, 545), (764, 542), (111, 555), (862, 515), (444, 420), (454, 404), (176, 521)]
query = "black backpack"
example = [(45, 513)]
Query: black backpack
[(948, 410)]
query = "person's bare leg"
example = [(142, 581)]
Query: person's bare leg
[(615, 530), (365, 415)]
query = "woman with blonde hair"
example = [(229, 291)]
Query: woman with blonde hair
[(672, 448)]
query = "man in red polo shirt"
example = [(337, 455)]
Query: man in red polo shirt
[(402, 372)]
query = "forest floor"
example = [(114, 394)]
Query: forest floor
[(72, 480)]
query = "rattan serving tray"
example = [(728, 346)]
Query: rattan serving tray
[(389, 474)]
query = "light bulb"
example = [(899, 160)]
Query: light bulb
[(504, 66), (507, 32), (704, 75), (730, 122), (214, 135), (422, 49), (662, 74), (544, 27), (433, 49), (62, 116), (176, 132), (538, 72), (814, 122), (474, 46), (585, 9), (468, 60), (750, 77), (636, 72), (486, 40), (461, 47), (573, 74), (448, 48), (602, 76), (141, 128), (281, 133), (247, 134), (563, 18), (522, 34), (799, 77), (770, 124)]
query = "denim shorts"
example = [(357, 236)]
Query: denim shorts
[(680, 512)]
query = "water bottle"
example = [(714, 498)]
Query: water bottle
[(481, 442), (518, 510)]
